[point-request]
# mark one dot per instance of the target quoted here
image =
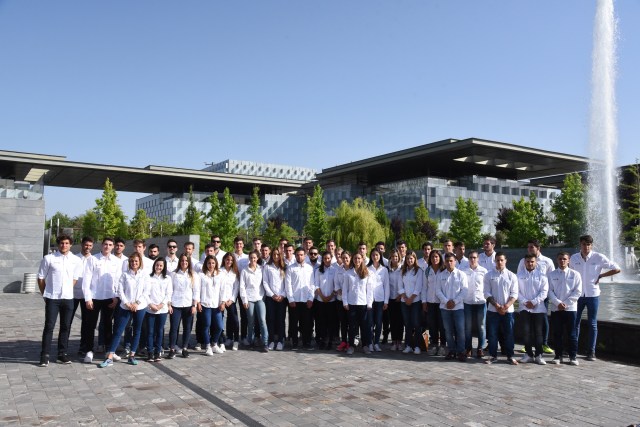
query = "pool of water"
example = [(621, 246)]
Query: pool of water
[(619, 301)]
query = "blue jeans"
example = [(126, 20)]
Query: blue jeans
[(454, 329), (494, 322), (155, 331), (211, 316), (474, 313), (122, 319), (180, 314), (591, 304), (257, 308), (411, 317), (376, 319)]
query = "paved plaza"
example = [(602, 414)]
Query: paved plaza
[(299, 388)]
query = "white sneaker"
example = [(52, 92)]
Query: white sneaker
[(245, 342), (270, 347), (222, 347), (407, 350), (88, 358), (216, 349), (279, 347), (376, 347), (116, 357), (574, 362), (539, 360), (526, 359), (432, 351), (198, 347), (370, 347), (209, 351), (393, 347), (235, 346), (442, 351), (416, 350)]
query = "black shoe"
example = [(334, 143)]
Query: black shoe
[(151, 357), (44, 361), (185, 353), (294, 346), (264, 349), (172, 354), (64, 359)]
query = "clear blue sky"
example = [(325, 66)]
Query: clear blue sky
[(310, 83)]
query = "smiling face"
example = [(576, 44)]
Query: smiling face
[(158, 266), (64, 246), (183, 263)]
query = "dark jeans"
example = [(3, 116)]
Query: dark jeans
[(90, 320), (386, 324), (474, 313), (343, 321), (155, 328), (233, 324), (53, 308), (496, 322), (437, 335), (359, 321), (123, 317), (276, 319), (300, 322), (180, 314), (326, 321), (243, 319), (532, 329), (591, 304), (212, 325), (564, 323), (376, 320), (411, 317), (396, 324), (454, 329)]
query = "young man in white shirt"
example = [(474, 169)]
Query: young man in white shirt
[(501, 291), (86, 246), (488, 256), (461, 261), (475, 305), (242, 260), (298, 281), (289, 256), (451, 290), (57, 275), (532, 291), (423, 262), (171, 258), (590, 264), (565, 287)]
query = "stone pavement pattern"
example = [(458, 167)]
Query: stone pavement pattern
[(298, 388)]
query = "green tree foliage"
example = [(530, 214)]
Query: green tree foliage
[(570, 211), (317, 226), (421, 229), (140, 225), (162, 228), (193, 220), (278, 229), (630, 205), (355, 222), (466, 225), (256, 221), (58, 221), (221, 218), (525, 223), (90, 225), (109, 213)]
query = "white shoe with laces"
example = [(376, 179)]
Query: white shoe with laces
[(88, 358), (209, 351), (407, 350), (271, 345), (526, 359), (416, 350), (376, 347), (216, 349), (279, 347), (539, 360)]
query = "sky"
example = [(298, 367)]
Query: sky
[(307, 83)]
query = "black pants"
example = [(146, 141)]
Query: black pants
[(359, 323), (276, 316), (343, 319), (326, 321), (532, 324), (437, 336), (53, 308), (90, 320), (396, 323), (300, 323)]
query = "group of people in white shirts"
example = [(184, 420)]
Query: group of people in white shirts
[(341, 299)]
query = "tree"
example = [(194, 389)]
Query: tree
[(140, 225), (163, 228), (570, 210), (466, 225), (57, 222), (109, 214), (212, 218), (222, 219), (90, 224), (502, 222), (193, 220), (317, 226), (256, 221), (525, 223), (426, 228), (630, 205), (278, 229), (356, 222)]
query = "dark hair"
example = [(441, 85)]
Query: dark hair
[(306, 239), (440, 265), (209, 245), (587, 238), (234, 264), (255, 239), (238, 239), (501, 254), (164, 267), (189, 271), (415, 267), (458, 244), (213, 236), (104, 239), (361, 243), (563, 253), (189, 244), (489, 238), (139, 242), (280, 263), (534, 242), (374, 250), (171, 241), (298, 249), (529, 256), (449, 255), (321, 268), (63, 237), (119, 240), (86, 239), (205, 269), (425, 244), (401, 242), (153, 246)]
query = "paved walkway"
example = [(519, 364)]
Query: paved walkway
[(299, 388)]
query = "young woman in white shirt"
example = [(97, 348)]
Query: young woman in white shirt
[(208, 298), (357, 300), (379, 275), (342, 315), (252, 295), (229, 282), (182, 306), (134, 298), (431, 304), (324, 305), (411, 291), (159, 283), (396, 324), (276, 299)]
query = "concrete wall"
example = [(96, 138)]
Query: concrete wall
[(21, 240)]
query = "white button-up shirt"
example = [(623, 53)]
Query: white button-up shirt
[(182, 287), (273, 281), (78, 292), (475, 280), (251, 289), (60, 272), (590, 269), (395, 277), (430, 287), (298, 281), (565, 286), (356, 290), (132, 288), (208, 291), (543, 263), (159, 292), (101, 275), (324, 282), (172, 264), (229, 282), (502, 286), (532, 286), (452, 286), (488, 262), (412, 283), (379, 283)]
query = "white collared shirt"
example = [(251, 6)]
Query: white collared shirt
[(60, 272), (251, 289), (78, 292), (132, 288), (229, 282), (172, 264), (273, 281), (452, 286), (565, 286), (395, 277), (475, 280), (502, 286), (298, 281), (208, 291), (356, 290), (488, 262), (324, 281), (543, 263), (379, 283), (532, 286), (590, 269), (182, 287), (412, 283), (430, 287), (159, 292), (101, 275)]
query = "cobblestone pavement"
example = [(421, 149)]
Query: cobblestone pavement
[(298, 388)]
